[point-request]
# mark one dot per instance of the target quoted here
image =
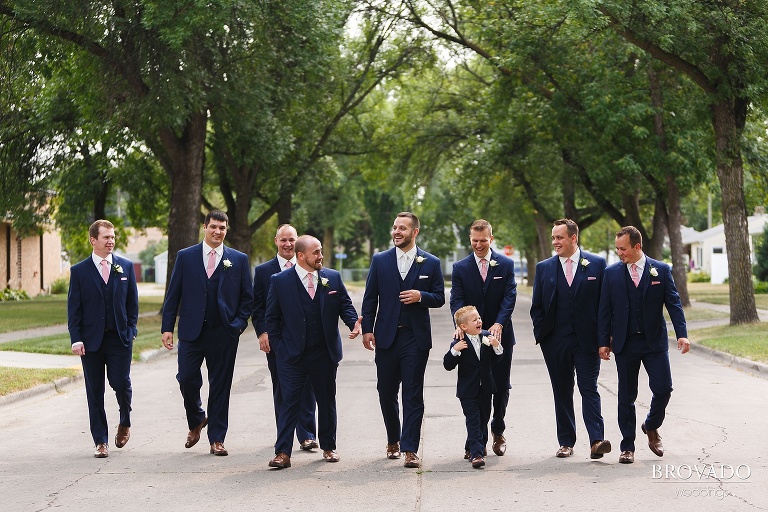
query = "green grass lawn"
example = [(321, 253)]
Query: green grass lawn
[(51, 310), (148, 338), (718, 294), (748, 341), (17, 379)]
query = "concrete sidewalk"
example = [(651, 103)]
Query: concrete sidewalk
[(715, 419)]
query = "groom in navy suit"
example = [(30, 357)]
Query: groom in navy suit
[(285, 240), (102, 310), (566, 295), (631, 325), (486, 279), (304, 305), (211, 292), (402, 284)]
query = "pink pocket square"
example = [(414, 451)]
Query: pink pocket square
[(332, 292), (655, 282), (591, 278)]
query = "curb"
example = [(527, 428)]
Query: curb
[(41, 389), (57, 385), (756, 368)]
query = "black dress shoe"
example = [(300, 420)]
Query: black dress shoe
[(599, 448)]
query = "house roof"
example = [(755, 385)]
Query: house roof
[(756, 224)]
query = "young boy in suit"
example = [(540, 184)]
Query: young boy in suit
[(475, 385)]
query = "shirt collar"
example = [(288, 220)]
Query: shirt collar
[(573, 257), (640, 264), (486, 258), (411, 253), (281, 261), (207, 249), (302, 272), (97, 259)]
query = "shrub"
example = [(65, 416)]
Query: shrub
[(761, 287), (60, 286), (699, 277), (9, 294)]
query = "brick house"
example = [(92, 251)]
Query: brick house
[(30, 263)]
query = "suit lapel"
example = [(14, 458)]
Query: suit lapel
[(490, 274), (578, 273), (645, 279), (96, 276), (321, 290)]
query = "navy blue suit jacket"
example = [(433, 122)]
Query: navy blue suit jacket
[(261, 277), (473, 372), (658, 291), (381, 300), (85, 303), (285, 320), (494, 298), (587, 283), (187, 291)]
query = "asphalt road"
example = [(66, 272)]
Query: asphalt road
[(714, 437)]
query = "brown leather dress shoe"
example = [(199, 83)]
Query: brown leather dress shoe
[(412, 460), (499, 444), (599, 448), (627, 457), (194, 435), (654, 441), (478, 462), (330, 456), (101, 451), (563, 452), (217, 448), (393, 450), (309, 444), (122, 436), (281, 460)]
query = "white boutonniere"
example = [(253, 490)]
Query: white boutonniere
[(485, 341), (654, 272), (117, 269), (227, 264), (420, 259), (324, 282), (584, 263), (493, 263)]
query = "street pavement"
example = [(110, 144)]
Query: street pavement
[(713, 436)]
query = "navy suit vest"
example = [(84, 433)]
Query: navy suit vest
[(405, 313), (313, 321), (212, 313), (635, 295), (108, 290), (565, 323)]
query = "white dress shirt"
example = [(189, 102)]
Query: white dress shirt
[(303, 276), (219, 254), (405, 266)]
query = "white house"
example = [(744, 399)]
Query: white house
[(708, 250)]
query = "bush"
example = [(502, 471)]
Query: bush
[(761, 287), (8, 295), (699, 277), (60, 286)]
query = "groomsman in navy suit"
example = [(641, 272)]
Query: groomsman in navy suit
[(304, 305), (566, 295), (631, 324), (285, 238), (102, 310), (403, 283), (211, 292), (486, 279)]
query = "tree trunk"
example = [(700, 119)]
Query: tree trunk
[(183, 159), (730, 173)]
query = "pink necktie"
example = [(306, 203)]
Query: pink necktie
[(211, 263), (569, 271), (105, 270), (633, 273), (310, 286), (483, 268), (288, 264)]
